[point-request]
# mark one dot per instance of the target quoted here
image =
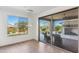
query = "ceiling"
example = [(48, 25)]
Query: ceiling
[(32, 9)]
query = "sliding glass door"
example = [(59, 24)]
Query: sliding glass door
[(60, 29), (44, 31)]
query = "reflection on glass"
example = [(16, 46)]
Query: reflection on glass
[(71, 27), (44, 30), (58, 26)]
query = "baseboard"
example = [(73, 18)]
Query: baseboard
[(18, 42)]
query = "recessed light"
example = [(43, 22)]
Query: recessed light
[(29, 10)]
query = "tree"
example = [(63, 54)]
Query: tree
[(58, 28)]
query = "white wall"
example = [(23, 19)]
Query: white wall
[(33, 30), (4, 38)]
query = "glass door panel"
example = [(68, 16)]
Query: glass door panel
[(44, 28)]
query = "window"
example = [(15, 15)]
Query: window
[(17, 25)]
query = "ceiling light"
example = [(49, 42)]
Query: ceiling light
[(29, 11)]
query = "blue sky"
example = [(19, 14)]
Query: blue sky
[(58, 22), (43, 23), (13, 19)]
